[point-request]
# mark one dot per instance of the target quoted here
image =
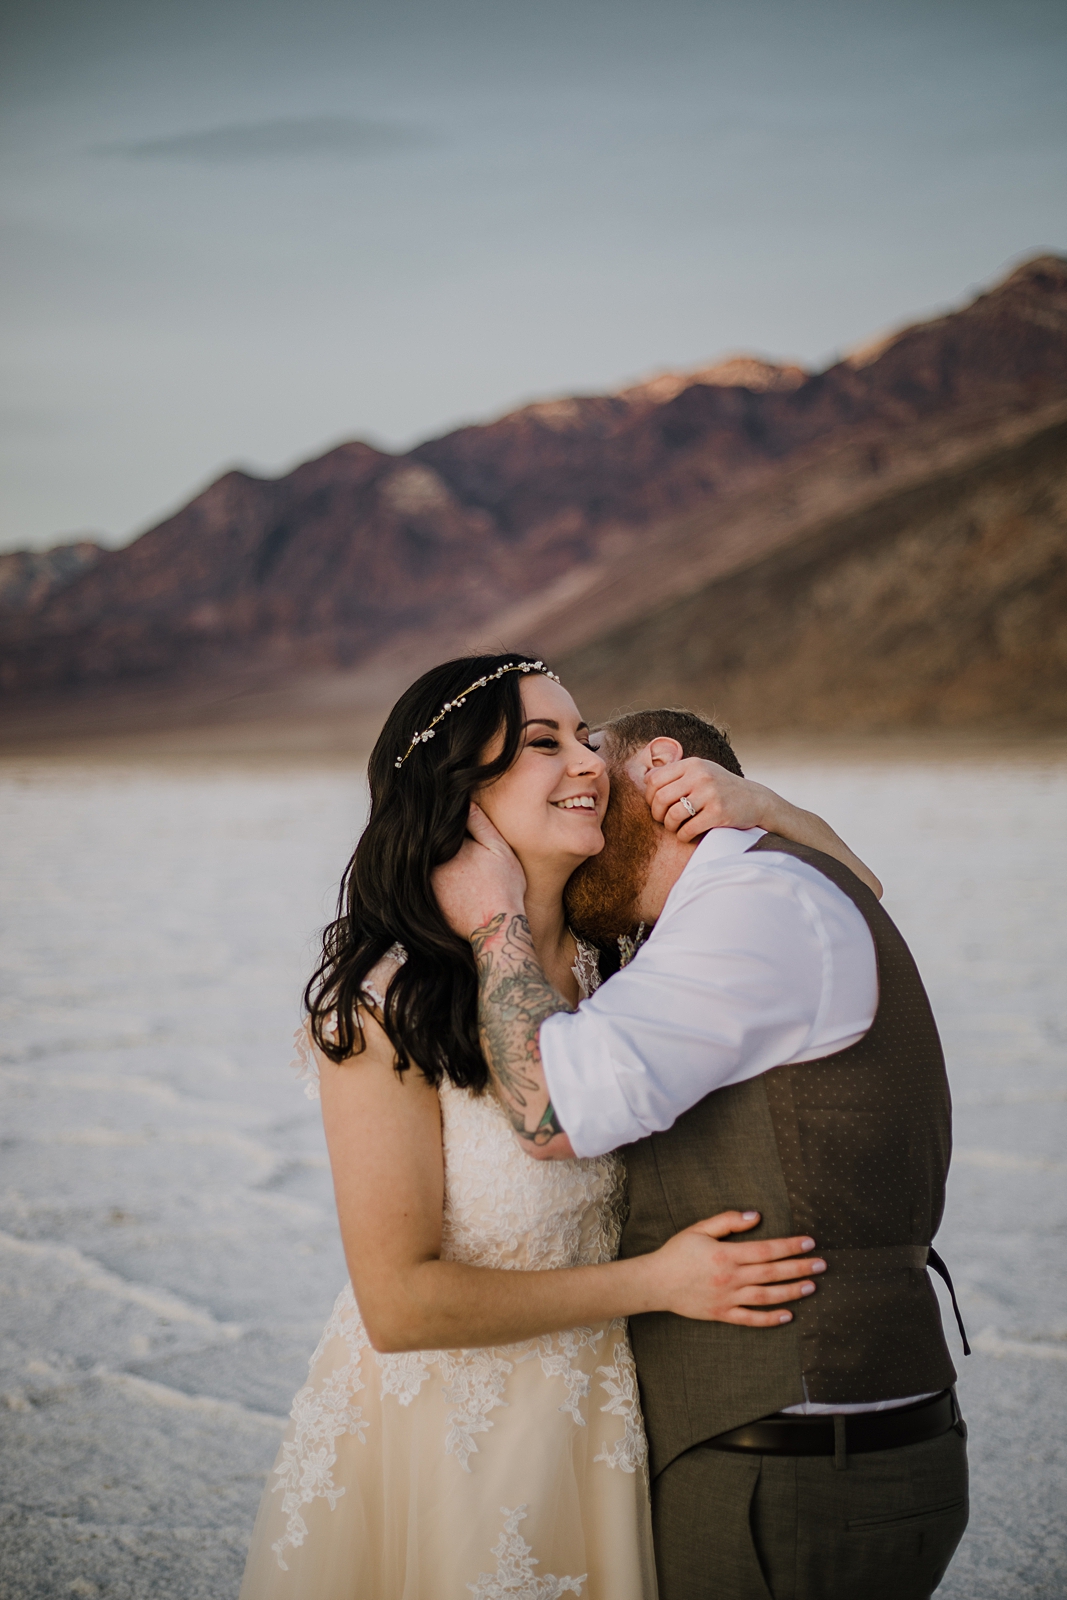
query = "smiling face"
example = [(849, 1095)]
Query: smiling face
[(550, 803)]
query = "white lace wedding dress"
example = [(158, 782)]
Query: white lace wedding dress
[(512, 1473)]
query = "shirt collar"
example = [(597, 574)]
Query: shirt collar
[(717, 845), (725, 842), (719, 842)]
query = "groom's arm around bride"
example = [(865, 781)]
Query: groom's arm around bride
[(769, 1046)]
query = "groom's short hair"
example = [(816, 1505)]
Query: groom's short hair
[(697, 735)]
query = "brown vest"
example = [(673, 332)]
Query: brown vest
[(852, 1149)]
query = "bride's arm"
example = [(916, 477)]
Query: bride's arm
[(384, 1138), (720, 799)]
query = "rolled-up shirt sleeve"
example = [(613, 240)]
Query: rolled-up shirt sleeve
[(735, 979)]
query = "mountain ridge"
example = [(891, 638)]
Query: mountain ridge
[(360, 555)]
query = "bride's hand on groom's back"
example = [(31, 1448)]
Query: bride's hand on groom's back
[(705, 1278)]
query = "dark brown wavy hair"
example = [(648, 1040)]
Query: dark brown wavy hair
[(418, 818)]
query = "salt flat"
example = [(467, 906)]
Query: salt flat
[(167, 1245)]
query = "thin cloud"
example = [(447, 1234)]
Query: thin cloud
[(282, 139)]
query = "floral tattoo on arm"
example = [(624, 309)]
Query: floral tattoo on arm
[(514, 998)]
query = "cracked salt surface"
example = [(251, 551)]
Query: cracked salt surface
[(167, 1245)]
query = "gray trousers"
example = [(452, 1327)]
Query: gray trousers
[(733, 1526)]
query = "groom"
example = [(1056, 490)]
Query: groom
[(769, 1045)]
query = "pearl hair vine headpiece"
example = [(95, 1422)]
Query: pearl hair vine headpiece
[(461, 699)]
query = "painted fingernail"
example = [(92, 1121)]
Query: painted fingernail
[(786, 1316), (750, 1216), (807, 1244), (807, 1288), (818, 1266)]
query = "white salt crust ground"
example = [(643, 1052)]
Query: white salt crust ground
[(167, 1246)]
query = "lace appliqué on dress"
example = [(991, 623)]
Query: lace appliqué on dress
[(629, 946), (304, 1064), (587, 965), (620, 1383), (514, 1578), (473, 1385), (305, 1471), (586, 968), (558, 1353), (474, 1381)]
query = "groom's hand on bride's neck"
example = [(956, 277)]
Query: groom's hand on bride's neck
[(483, 880)]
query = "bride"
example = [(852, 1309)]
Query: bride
[(471, 1423)]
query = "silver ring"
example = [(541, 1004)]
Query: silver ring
[(688, 804)]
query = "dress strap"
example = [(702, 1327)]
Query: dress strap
[(586, 967), (374, 986), (304, 1063)]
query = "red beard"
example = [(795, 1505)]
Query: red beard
[(602, 895)]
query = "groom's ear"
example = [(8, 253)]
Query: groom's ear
[(663, 752)]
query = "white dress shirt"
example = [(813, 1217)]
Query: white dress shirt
[(757, 960)]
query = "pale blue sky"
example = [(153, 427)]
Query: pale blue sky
[(239, 231)]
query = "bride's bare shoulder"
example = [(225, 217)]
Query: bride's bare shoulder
[(369, 1076)]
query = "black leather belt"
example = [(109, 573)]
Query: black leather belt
[(845, 1433)]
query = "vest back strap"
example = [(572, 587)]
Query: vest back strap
[(942, 1272), (875, 1260)]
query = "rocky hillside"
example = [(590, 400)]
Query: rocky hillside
[(29, 577), (943, 604), (577, 516)]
